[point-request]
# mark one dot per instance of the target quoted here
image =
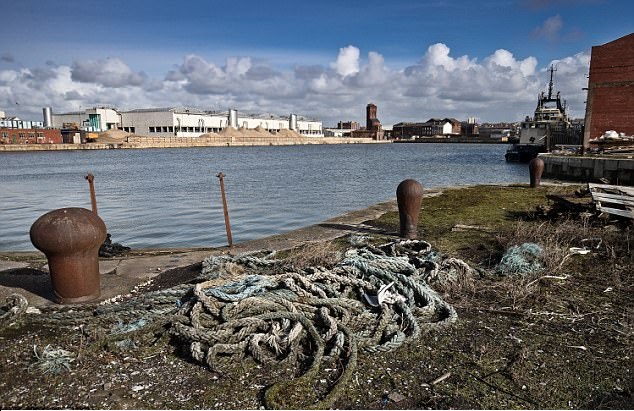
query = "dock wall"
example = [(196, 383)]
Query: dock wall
[(186, 142), (618, 171)]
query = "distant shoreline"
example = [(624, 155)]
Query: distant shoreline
[(454, 140), (231, 142), (188, 143)]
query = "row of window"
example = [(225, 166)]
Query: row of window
[(5, 134), (171, 129)]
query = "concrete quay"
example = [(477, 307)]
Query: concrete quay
[(617, 170), (188, 142)]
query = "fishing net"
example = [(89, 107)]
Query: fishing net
[(521, 260)]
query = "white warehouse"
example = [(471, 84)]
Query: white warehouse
[(182, 121)]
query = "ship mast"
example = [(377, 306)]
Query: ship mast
[(550, 84)]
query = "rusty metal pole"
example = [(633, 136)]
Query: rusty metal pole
[(70, 238), (409, 194), (93, 199), (536, 168), (224, 206)]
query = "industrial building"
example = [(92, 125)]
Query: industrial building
[(433, 127), (181, 121), (16, 131), (610, 102)]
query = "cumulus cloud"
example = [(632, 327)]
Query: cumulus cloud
[(347, 62), (500, 87), (110, 72)]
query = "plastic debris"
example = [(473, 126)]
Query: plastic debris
[(577, 250), (383, 296)]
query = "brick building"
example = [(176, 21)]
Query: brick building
[(348, 125), (610, 102), (10, 135), (373, 128), (433, 127)]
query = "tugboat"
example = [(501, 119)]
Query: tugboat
[(549, 126)]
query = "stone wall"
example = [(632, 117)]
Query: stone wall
[(618, 171), (184, 142)]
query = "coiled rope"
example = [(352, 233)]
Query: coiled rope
[(310, 318)]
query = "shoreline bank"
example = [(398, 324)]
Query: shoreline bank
[(188, 142)]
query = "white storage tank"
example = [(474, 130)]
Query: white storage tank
[(47, 113), (233, 118), (292, 123)]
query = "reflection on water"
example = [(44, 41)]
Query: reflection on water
[(171, 197)]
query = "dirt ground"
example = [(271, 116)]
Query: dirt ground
[(559, 338)]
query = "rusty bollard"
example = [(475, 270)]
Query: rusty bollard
[(409, 194), (70, 238), (536, 168)]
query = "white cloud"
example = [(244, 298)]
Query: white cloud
[(347, 61), (500, 87)]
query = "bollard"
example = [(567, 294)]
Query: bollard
[(70, 238), (536, 168), (409, 194)]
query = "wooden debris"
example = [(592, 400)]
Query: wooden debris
[(463, 227), (612, 199)]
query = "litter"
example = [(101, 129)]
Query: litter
[(383, 296), (577, 250)]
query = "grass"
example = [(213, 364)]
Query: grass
[(492, 211)]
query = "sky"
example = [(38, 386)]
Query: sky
[(325, 59)]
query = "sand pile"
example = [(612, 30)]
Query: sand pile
[(262, 132), (113, 136), (230, 132)]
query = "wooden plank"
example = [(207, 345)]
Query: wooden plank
[(624, 213), (613, 198), (613, 195), (621, 189)]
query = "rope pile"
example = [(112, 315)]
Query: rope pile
[(308, 319), (521, 260)]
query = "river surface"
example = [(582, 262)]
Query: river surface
[(171, 197)]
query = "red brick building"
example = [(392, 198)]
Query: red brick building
[(373, 128), (610, 102), (30, 136)]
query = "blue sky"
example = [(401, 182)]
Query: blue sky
[(323, 59)]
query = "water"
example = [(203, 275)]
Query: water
[(171, 197)]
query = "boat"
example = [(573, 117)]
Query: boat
[(549, 127)]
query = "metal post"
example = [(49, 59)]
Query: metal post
[(409, 194), (224, 206), (93, 199), (536, 168)]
